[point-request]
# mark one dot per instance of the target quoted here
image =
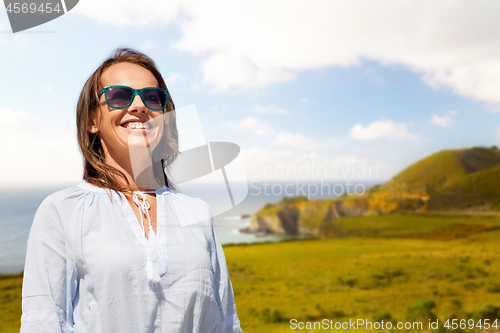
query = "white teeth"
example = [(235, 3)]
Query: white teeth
[(135, 125)]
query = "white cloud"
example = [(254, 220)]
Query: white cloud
[(147, 45), (270, 164), (22, 123), (375, 77), (228, 70), (34, 156), (451, 44), (269, 109), (283, 138), (300, 141), (175, 78), (12, 41), (254, 126), (127, 13), (383, 129), (443, 121), (453, 112), (47, 89)]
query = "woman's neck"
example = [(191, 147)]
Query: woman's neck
[(140, 175)]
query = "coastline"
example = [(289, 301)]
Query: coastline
[(18, 208)]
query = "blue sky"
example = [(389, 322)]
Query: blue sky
[(331, 84)]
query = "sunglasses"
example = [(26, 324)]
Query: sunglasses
[(120, 97)]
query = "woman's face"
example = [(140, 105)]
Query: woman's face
[(117, 127)]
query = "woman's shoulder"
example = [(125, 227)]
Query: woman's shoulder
[(64, 197), (63, 203), (57, 208)]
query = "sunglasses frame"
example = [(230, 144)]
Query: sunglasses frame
[(135, 92)]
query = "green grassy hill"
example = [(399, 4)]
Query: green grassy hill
[(478, 189), (442, 169)]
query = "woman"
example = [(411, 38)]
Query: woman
[(120, 252)]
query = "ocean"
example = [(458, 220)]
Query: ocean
[(17, 210)]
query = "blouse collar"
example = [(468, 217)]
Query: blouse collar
[(89, 187)]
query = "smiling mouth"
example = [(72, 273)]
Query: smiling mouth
[(136, 125)]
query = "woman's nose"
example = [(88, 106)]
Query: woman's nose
[(137, 104)]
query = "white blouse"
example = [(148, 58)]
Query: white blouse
[(86, 267)]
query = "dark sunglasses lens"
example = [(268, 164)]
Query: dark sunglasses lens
[(154, 98), (119, 97)]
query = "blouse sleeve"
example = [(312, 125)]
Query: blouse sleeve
[(50, 283), (229, 320)]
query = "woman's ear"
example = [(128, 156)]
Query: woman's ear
[(93, 119), (93, 128)]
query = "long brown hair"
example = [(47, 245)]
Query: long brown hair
[(96, 172)]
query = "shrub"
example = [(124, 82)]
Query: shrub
[(351, 282), (267, 316), (293, 199), (493, 288), (421, 310), (383, 315), (268, 208), (490, 312)]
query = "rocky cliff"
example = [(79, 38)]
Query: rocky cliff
[(308, 217)]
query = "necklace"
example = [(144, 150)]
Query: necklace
[(144, 207)]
